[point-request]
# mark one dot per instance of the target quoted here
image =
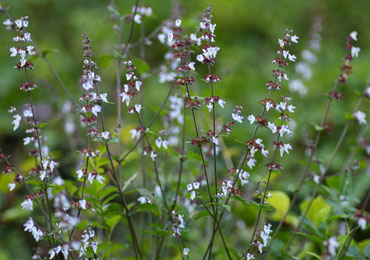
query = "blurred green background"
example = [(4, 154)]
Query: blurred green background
[(247, 32)]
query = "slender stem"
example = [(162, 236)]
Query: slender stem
[(322, 177)]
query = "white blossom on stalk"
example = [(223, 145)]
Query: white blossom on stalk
[(32, 228), (272, 127), (105, 135), (285, 148), (355, 51), (251, 163), (16, 121), (135, 134), (243, 176), (186, 251), (82, 204), (153, 155), (27, 204), (361, 222), (144, 200), (251, 119), (360, 117), (250, 256), (237, 117), (11, 186)]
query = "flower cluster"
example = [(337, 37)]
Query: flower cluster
[(192, 187), (178, 223), (31, 227)]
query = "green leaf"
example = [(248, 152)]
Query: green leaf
[(113, 221), (105, 60), (201, 214), (128, 182), (106, 191), (141, 66), (314, 255), (318, 211), (349, 116), (149, 194), (317, 127), (367, 251), (280, 202), (353, 251), (193, 155), (311, 237)]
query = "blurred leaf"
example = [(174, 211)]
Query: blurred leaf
[(353, 251), (14, 214), (318, 211), (128, 182), (113, 221), (314, 255), (105, 60), (280, 202), (367, 251), (349, 116), (317, 127), (141, 66)]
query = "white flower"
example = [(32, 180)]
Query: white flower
[(285, 148), (158, 142), (243, 176), (186, 251), (138, 85), (125, 98), (178, 23), (196, 185), (237, 117), (353, 35), (192, 195), (333, 245), (135, 133), (251, 119), (30, 227), (292, 57), (80, 173), (137, 18), (189, 186), (294, 38), (16, 121), (27, 204), (153, 155), (13, 52), (285, 130), (105, 135), (221, 103), (27, 112), (214, 140), (82, 204), (200, 58), (360, 117), (94, 246), (281, 43), (104, 97), (272, 127), (361, 222), (285, 54), (96, 109), (11, 186), (100, 179), (250, 256), (355, 51), (191, 66), (251, 163), (291, 108), (138, 108), (268, 105), (170, 37)]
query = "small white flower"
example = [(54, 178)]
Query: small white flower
[(27, 112), (214, 140), (158, 142), (170, 37), (96, 109), (191, 66), (138, 108), (196, 185), (250, 256), (251, 119), (360, 117), (82, 204), (355, 51), (292, 57), (178, 23), (189, 186), (153, 155), (294, 38), (80, 173), (192, 194), (138, 85), (11, 186), (221, 103), (104, 97), (272, 127), (285, 130), (361, 222), (137, 18), (332, 246), (186, 251), (285, 54), (285, 148), (100, 179), (243, 176), (291, 108), (105, 135), (353, 35), (251, 163), (200, 58), (134, 133), (16, 121), (27, 204)]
